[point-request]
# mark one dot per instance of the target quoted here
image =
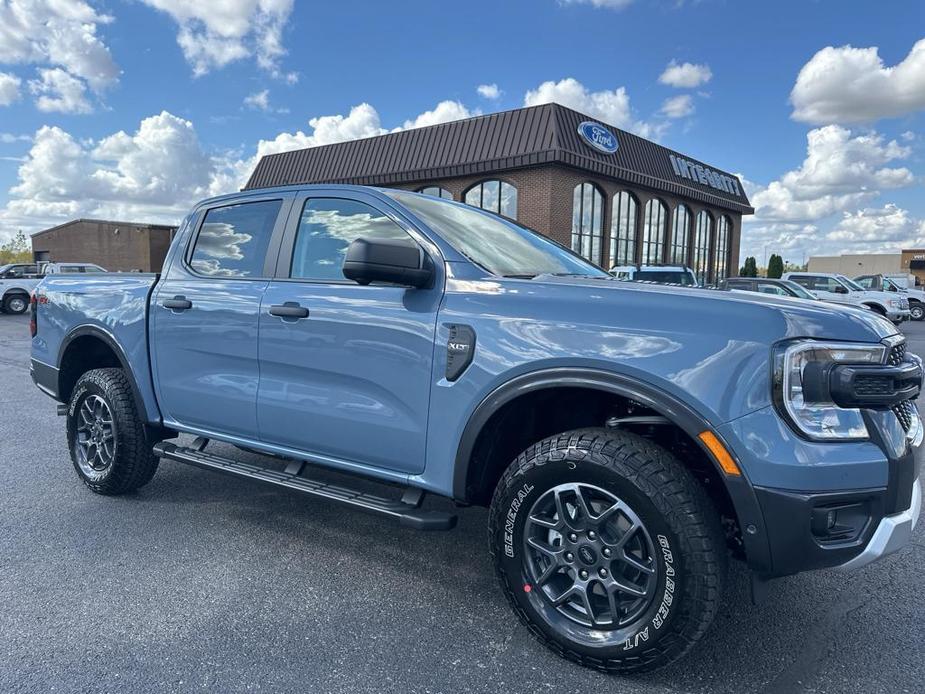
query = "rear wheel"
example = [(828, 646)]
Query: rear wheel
[(105, 435), (608, 549), (16, 304)]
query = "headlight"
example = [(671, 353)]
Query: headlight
[(801, 387), (896, 303)]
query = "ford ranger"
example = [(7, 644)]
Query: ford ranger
[(627, 438)]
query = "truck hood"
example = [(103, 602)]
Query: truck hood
[(761, 317)]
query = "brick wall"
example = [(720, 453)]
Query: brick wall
[(111, 245)]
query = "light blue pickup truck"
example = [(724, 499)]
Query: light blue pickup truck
[(629, 439)]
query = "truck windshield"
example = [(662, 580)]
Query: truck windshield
[(496, 245), (853, 286), (666, 277), (797, 290)]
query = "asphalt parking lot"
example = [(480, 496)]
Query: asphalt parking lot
[(202, 582)]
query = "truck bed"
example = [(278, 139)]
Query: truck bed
[(114, 303)]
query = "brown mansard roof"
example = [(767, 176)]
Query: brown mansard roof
[(545, 134)]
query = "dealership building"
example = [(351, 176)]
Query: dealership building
[(614, 197), (115, 246)]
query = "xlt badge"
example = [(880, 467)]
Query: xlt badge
[(459, 350)]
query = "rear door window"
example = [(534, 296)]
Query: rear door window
[(233, 240)]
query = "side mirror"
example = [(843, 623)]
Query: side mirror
[(840, 290), (388, 260)]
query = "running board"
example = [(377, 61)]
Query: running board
[(407, 510)]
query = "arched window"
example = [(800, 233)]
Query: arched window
[(721, 261), (702, 234), (495, 196), (653, 232), (681, 235), (587, 221), (623, 229), (437, 192)]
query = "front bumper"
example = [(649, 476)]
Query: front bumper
[(852, 527), (892, 533), (899, 315)]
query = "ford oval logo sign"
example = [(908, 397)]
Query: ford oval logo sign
[(598, 137)]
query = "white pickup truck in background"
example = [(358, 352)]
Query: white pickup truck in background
[(915, 296), (840, 290), (17, 280)]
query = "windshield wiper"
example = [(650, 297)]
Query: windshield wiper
[(519, 276)]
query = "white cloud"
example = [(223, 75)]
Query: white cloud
[(685, 75), (154, 174), (58, 90), (212, 34), (444, 112), (841, 171), (57, 32), (851, 85), (158, 172), (886, 229), (9, 88), (489, 91), (10, 138), (878, 230), (609, 4), (678, 106), (612, 107), (258, 100)]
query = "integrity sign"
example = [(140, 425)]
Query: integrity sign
[(705, 175)]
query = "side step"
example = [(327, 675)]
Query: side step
[(407, 510)]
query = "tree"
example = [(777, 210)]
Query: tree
[(16, 250), (750, 269), (775, 266)]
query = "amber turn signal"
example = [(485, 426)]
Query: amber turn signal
[(720, 453)]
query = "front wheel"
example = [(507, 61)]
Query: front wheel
[(608, 549), (916, 311), (105, 434)]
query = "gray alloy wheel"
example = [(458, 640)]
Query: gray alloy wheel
[(95, 442), (590, 555), (917, 311)]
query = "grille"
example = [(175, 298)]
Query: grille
[(897, 354), (904, 412), (873, 385)]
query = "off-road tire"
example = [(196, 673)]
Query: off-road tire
[(16, 304), (689, 542), (133, 463)]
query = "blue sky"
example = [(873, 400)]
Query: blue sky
[(136, 109)]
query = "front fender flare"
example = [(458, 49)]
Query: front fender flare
[(679, 413)]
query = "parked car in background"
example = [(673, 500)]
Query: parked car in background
[(915, 296), (662, 274), (628, 438), (841, 290), (17, 280), (764, 285), (64, 268)]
